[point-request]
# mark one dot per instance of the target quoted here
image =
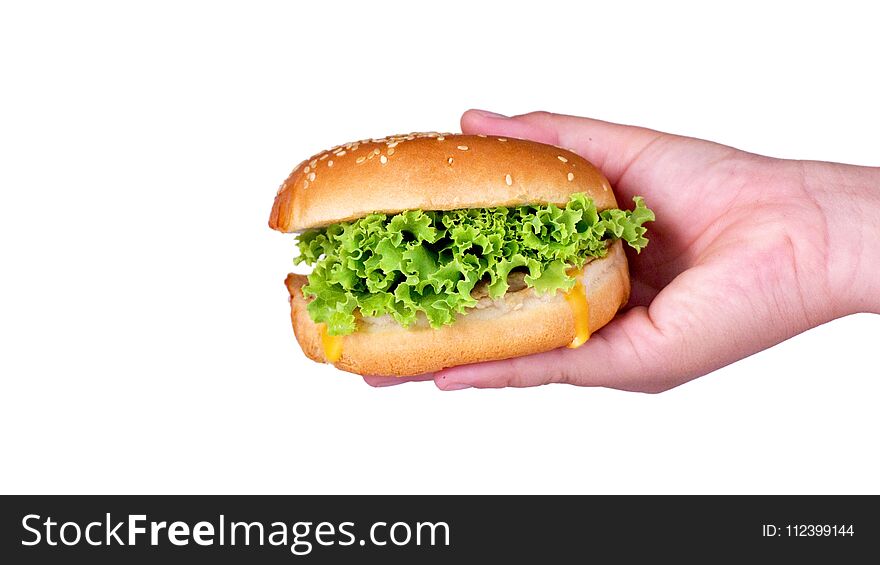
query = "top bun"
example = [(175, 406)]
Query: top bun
[(431, 171)]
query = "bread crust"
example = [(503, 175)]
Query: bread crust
[(431, 171), (519, 323)]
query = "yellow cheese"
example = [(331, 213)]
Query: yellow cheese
[(332, 345), (580, 309)]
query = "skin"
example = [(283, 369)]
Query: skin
[(747, 251)]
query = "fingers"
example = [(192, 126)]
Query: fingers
[(375, 381), (481, 121), (613, 148)]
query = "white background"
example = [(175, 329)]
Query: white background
[(145, 343)]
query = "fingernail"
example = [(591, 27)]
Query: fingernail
[(456, 386), (488, 114)]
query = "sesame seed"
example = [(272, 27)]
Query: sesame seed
[(393, 144), (390, 151), (340, 154), (440, 138), (561, 158), (312, 176), (449, 160), (570, 177), (307, 169), (375, 152), (480, 135), (305, 184), (360, 160), (324, 156), (502, 139), (330, 163), (508, 179), (409, 137), (463, 147), (314, 163), (383, 159)]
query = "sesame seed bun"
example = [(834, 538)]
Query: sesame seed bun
[(431, 171), (519, 323)]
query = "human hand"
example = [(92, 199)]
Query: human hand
[(746, 252)]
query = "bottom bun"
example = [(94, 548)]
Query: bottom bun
[(518, 323)]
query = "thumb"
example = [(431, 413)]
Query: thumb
[(630, 353), (613, 148), (697, 324)]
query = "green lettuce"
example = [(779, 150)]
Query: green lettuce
[(429, 262)]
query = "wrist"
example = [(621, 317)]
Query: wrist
[(849, 197)]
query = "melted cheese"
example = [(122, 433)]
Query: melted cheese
[(332, 345), (580, 309)]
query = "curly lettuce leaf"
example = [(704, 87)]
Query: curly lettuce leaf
[(428, 263)]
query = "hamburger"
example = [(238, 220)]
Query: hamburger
[(432, 250)]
